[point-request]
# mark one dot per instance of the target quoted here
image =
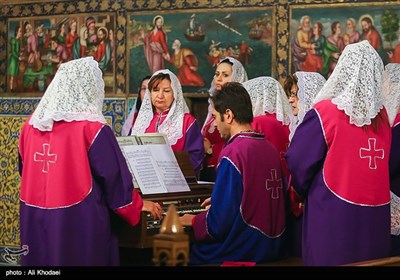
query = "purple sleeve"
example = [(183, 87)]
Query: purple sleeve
[(306, 152), (195, 147), (394, 161), (110, 170)]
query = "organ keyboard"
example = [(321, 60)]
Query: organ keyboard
[(141, 236)]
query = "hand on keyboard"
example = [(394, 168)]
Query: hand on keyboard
[(186, 220), (206, 203), (152, 207)]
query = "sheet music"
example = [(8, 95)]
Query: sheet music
[(143, 166), (153, 166), (170, 172), (128, 141)]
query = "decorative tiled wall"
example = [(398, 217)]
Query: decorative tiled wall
[(13, 114)]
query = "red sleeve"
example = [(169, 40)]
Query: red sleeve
[(131, 212)]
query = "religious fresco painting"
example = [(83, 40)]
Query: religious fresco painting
[(319, 34), (191, 43), (38, 45)]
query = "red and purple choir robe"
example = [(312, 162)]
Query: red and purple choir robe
[(246, 220), (342, 172), (217, 143), (191, 140), (394, 168), (74, 180), (275, 132)]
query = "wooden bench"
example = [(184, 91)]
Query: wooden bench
[(391, 261)]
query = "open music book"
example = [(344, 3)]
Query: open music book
[(152, 163)]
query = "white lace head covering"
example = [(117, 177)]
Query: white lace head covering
[(76, 93), (127, 126), (239, 75), (355, 85), (267, 95), (172, 126), (391, 90), (309, 84)]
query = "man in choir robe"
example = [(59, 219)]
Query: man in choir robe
[(74, 177), (164, 110), (246, 218), (391, 90), (338, 160)]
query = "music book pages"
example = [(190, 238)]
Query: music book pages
[(152, 163)]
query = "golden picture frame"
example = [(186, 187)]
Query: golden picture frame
[(196, 40), (319, 33), (38, 45)]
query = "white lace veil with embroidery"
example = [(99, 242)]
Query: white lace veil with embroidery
[(129, 120), (239, 75), (391, 90), (355, 85), (76, 93), (172, 126), (309, 84), (267, 95)]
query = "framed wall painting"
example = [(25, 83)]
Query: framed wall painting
[(191, 42), (319, 33), (38, 45)]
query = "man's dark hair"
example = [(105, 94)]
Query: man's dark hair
[(235, 97)]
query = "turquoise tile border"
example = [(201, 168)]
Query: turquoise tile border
[(113, 108)]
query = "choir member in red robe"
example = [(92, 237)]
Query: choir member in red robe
[(74, 177), (228, 70), (339, 162), (164, 110)]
